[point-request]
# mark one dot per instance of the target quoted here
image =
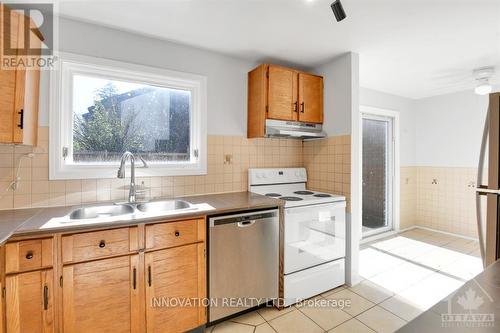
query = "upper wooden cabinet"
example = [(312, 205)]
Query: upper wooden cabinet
[(280, 93), (19, 85)]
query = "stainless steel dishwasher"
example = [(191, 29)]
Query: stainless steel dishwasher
[(243, 261)]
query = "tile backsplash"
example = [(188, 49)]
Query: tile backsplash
[(36, 190), (441, 198), (438, 198), (328, 164)]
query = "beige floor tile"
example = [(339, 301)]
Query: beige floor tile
[(209, 329), (333, 291), (264, 328), (372, 291), (325, 314), (401, 307), (251, 318), (358, 303), (381, 320), (269, 313), (294, 322), (431, 290), (230, 327), (352, 326)]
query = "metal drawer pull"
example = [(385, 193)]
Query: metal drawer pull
[(29, 255), (149, 275), (45, 297), (21, 119), (302, 106), (134, 278), (295, 106), (177, 233), (102, 244)]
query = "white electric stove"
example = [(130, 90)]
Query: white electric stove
[(314, 232)]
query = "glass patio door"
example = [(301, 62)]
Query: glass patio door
[(377, 173)]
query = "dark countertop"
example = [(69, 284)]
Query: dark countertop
[(481, 294), (42, 220)]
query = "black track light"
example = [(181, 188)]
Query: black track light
[(338, 10)]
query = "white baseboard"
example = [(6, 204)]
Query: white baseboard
[(445, 232), (392, 233), (438, 231)]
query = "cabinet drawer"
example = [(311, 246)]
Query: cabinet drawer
[(99, 244), (28, 255), (170, 234)]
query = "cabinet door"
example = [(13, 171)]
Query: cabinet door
[(29, 302), (175, 275), (8, 116), (102, 296), (310, 98), (25, 128), (282, 98)]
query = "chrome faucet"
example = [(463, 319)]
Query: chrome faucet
[(121, 173)]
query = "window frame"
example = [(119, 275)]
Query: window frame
[(61, 116)]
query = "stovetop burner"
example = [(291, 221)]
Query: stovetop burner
[(322, 195), (291, 198), (303, 192), (273, 195)]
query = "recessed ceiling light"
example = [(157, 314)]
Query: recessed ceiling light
[(483, 88), (338, 10)]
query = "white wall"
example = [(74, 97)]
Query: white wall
[(337, 76), (449, 129), (407, 118), (341, 106), (227, 77)]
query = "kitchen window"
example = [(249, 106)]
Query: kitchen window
[(102, 108)]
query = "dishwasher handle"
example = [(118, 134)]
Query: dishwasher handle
[(247, 223), (243, 220)]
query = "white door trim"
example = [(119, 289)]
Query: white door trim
[(368, 110)]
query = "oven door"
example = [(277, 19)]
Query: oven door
[(314, 235)]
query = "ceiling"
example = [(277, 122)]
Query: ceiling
[(411, 48)]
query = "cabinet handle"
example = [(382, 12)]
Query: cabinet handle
[(134, 278), (177, 234), (45, 297), (21, 119), (149, 275), (302, 107), (29, 255), (295, 106), (102, 244)]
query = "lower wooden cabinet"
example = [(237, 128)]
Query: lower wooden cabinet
[(175, 281), (122, 286), (102, 296), (29, 302)]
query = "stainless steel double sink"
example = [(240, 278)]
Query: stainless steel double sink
[(103, 211)]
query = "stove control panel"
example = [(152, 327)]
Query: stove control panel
[(276, 176)]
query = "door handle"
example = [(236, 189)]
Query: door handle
[(45, 297), (21, 119), (302, 107)]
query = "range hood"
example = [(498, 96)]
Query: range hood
[(293, 130)]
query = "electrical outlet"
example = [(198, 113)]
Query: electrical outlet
[(228, 159)]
